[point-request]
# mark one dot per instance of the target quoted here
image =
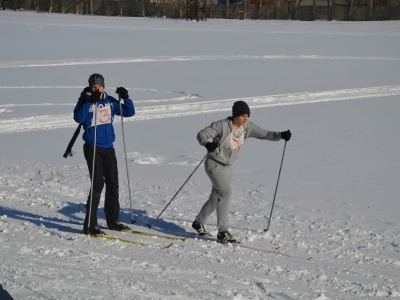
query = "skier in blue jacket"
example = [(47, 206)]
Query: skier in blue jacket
[(95, 110)]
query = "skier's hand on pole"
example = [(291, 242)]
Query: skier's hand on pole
[(96, 96), (122, 93), (286, 135), (84, 95), (211, 146)]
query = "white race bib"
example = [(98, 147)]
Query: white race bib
[(233, 142), (103, 114)]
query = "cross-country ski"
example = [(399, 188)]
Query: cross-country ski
[(127, 241)]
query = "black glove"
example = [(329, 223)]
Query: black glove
[(122, 92), (96, 96), (286, 135), (211, 146), (83, 97)]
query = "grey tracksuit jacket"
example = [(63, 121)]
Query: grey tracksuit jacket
[(220, 130), (218, 166)]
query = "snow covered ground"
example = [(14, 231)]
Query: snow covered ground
[(334, 84)]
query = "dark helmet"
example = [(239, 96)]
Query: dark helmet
[(96, 79)]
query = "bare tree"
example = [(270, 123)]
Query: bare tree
[(358, 5), (377, 6)]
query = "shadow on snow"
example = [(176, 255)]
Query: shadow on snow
[(71, 211)]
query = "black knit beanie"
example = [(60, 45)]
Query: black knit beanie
[(240, 108), (96, 79)]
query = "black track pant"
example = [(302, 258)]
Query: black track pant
[(105, 171)]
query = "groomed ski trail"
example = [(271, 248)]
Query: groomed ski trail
[(57, 121)]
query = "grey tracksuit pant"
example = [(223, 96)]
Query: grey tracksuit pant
[(220, 197)]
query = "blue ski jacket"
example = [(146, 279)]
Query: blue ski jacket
[(104, 110)]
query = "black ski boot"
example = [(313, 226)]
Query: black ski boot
[(225, 237), (201, 230), (117, 226), (95, 230)]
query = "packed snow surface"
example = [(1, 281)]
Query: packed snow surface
[(335, 230)]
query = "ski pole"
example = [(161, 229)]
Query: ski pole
[(93, 161), (276, 188), (151, 225), (126, 161), (69, 152)]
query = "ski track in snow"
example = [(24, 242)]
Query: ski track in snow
[(78, 62), (194, 107)]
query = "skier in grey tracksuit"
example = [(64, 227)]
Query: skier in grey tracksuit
[(223, 140)]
